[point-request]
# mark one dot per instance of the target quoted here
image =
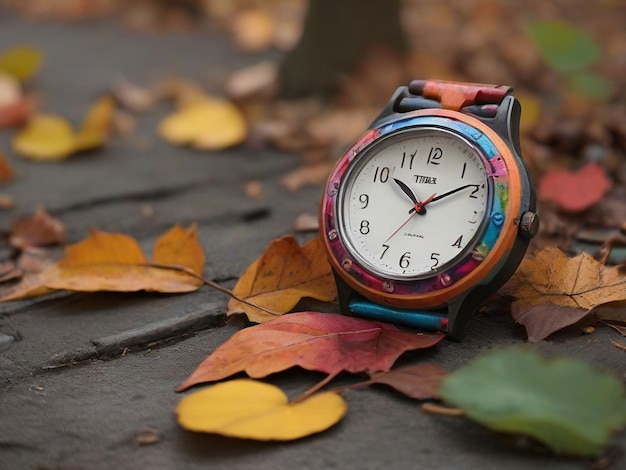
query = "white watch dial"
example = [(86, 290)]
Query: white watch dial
[(413, 203)]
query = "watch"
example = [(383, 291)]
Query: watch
[(432, 209)]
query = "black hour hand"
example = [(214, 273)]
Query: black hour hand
[(409, 192)]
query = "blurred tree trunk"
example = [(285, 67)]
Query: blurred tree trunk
[(336, 34)]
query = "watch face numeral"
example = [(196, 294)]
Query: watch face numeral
[(365, 227), (434, 257), (405, 260), (476, 189), (458, 242), (410, 207), (381, 174), (434, 156), (408, 159)]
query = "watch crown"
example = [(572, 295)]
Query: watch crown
[(529, 224)]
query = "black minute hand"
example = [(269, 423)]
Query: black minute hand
[(449, 193), (409, 192)]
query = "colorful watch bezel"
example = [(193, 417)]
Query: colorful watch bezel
[(480, 263)]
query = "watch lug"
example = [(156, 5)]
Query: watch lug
[(344, 294), (391, 106), (506, 122)]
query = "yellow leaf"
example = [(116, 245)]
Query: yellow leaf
[(21, 62), (206, 124), (180, 247), (50, 137), (96, 126), (282, 276), (249, 409), (45, 137)]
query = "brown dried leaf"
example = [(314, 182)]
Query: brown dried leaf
[(40, 229), (554, 291), (419, 381), (6, 172)]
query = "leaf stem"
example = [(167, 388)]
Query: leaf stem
[(213, 284), (440, 409), (316, 387)]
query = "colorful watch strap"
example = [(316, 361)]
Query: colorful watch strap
[(458, 95)]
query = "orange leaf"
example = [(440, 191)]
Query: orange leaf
[(574, 191), (324, 342), (115, 262), (38, 230), (554, 291), (282, 276)]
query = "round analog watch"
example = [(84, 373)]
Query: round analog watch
[(432, 209)]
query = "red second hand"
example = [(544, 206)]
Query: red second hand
[(418, 207)]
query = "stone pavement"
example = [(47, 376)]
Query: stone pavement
[(132, 350)]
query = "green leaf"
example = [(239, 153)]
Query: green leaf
[(565, 48), (564, 403), (22, 62), (591, 85)]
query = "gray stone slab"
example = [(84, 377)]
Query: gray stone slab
[(89, 416)]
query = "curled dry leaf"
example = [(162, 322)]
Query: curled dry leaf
[(323, 342), (248, 409), (207, 124), (553, 291), (574, 191), (282, 276), (50, 137), (40, 229), (10, 90), (115, 262)]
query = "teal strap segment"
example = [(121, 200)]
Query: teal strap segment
[(423, 319)]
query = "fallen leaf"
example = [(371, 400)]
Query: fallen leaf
[(16, 113), (253, 29), (255, 80), (281, 277), (564, 403), (311, 175), (133, 97), (22, 62), (419, 381), (6, 201), (10, 90), (45, 137), (323, 342), (96, 126), (147, 436), (554, 291), (6, 172), (51, 137), (248, 409), (40, 229), (253, 190), (208, 124), (574, 191), (306, 223), (115, 262)]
